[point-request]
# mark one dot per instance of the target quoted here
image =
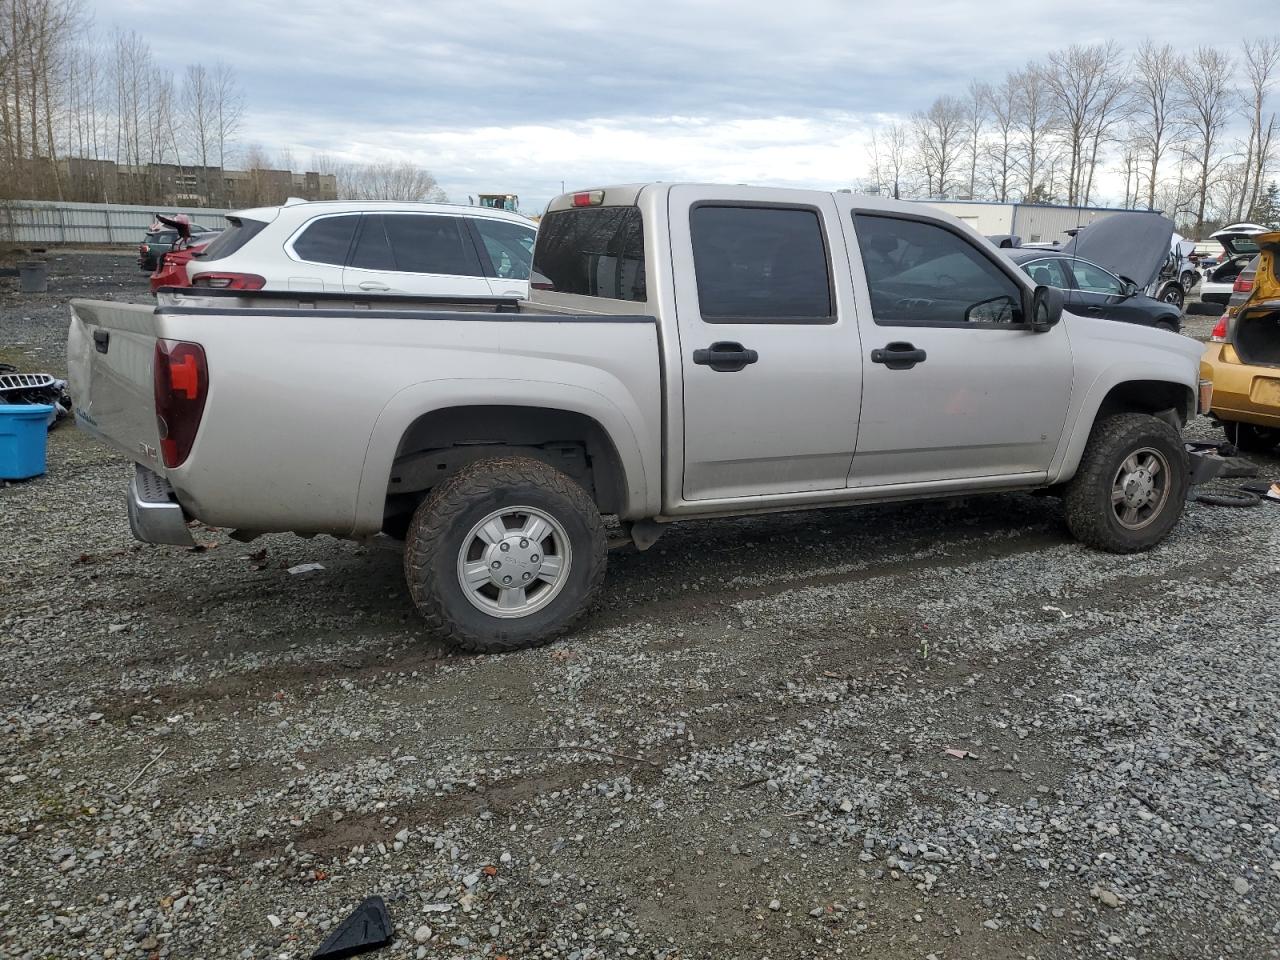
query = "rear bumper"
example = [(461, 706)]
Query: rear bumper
[(155, 516), (1235, 386)]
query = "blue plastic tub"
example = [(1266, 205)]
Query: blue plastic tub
[(24, 432)]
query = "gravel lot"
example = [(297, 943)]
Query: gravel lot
[(744, 752)]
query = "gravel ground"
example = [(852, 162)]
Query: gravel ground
[(897, 732)]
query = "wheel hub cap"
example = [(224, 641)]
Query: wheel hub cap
[(514, 562), (1141, 488)]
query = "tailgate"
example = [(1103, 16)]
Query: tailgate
[(110, 351)]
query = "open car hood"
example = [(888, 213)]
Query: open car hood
[(1130, 245), (180, 222), (1239, 239)]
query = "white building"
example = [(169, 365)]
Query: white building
[(1033, 222)]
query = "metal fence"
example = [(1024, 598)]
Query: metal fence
[(49, 222)]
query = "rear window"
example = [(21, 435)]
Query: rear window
[(161, 236), (239, 231), (593, 252)]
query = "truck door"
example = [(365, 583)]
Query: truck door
[(768, 342), (957, 386)]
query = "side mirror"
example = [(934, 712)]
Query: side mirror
[(1130, 288), (1046, 308)]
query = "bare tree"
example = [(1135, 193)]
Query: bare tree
[(1261, 63), (1004, 103), (199, 120), (1087, 86), (977, 104), (1035, 122), (1206, 92), (228, 106), (1156, 107), (939, 133)]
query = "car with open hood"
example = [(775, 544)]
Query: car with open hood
[(1239, 245), (1242, 357), (1106, 270)]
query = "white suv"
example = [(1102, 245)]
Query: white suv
[(377, 246)]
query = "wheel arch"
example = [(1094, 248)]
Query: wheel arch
[(1155, 393), (463, 421)]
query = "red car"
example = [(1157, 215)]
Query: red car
[(172, 269)]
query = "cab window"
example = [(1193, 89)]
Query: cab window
[(922, 274)]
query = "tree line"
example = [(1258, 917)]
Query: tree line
[(1170, 125), (72, 98)]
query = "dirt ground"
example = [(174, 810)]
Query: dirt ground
[(919, 731)]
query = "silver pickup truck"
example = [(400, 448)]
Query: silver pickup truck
[(686, 351)]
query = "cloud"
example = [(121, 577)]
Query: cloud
[(508, 95)]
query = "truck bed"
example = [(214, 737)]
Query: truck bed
[(309, 394)]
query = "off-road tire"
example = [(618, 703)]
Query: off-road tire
[(1089, 511), (1251, 438), (444, 519)]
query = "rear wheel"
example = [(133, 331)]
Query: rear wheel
[(1188, 280), (1129, 490), (1251, 438), (505, 555)]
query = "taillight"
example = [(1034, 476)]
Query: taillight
[(1219, 333), (181, 385), (229, 281), (1242, 286)]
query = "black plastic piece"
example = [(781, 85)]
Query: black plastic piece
[(367, 928), (898, 355), (725, 356), (102, 340)]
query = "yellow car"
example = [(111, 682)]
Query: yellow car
[(1242, 358)]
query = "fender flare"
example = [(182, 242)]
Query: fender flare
[(418, 399), (1080, 423)]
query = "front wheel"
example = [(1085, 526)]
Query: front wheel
[(1129, 490), (504, 555)]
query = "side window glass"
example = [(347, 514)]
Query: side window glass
[(509, 245), (922, 273), (373, 251), (760, 265), (326, 240), (1093, 279), (431, 244), (1048, 273)]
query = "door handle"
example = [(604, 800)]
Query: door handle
[(1093, 308), (373, 286), (725, 356), (898, 355), (102, 340)]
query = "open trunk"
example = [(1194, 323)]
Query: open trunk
[(1257, 334)]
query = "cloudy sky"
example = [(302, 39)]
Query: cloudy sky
[(500, 96)]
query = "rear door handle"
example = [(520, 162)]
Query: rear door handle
[(1093, 308), (102, 340), (725, 356), (898, 355), (373, 286)]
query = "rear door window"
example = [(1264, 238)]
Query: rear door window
[(592, 252), (373, 250), (760, 265), (327, 240), (422, 243), (508, 245)]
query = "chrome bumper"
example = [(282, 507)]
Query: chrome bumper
[(155, 516)]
